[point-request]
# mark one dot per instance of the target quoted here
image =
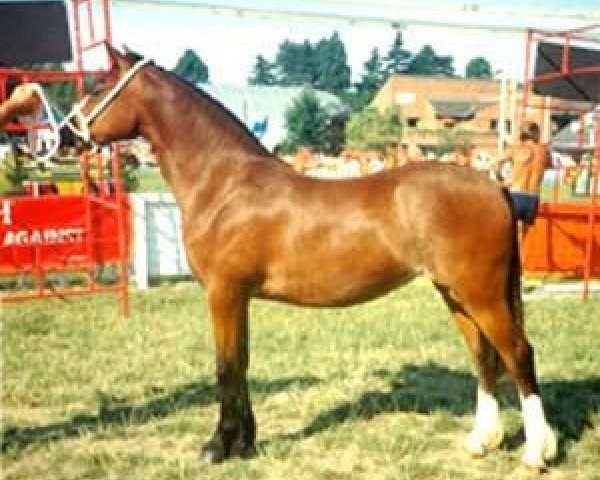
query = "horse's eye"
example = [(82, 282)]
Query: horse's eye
[(96, 91)]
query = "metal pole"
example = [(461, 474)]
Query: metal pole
[(78, 48), (595, 174), (514, 128), (502, 114), (526, 86), (121, 230)]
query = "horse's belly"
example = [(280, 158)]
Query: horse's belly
[(323, 286)]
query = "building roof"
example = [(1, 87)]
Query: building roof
[(569, 138), (453, 97), (458, 109)]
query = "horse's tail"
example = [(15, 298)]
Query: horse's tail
[(514, 297)]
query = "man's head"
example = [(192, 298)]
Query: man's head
[(530, 131)]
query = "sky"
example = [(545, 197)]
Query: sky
[(230, 43)]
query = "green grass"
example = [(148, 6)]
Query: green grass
[(379, 391), (151, 181)]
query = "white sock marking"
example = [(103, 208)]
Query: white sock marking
[(487, 431), (540, 442)]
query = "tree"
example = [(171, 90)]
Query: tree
[(14, 171), (263, 72), (478, 67), (331, 63), (398, 58), (449, 139), (306, 122), (296, 63), (323, 65), (191, 68), (371, 129), (370, 82), (427, 62), (334, 137)]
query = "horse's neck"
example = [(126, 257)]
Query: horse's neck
[(194, 140)]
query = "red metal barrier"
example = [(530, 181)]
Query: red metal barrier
[(64, 233), (565, 238), (559, 241)]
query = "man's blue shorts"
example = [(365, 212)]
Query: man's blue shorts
[(526, 206)]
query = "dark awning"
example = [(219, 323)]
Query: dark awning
[(582, 87), (457, 109), (34, 32)]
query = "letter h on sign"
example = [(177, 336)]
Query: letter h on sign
[(6, 212)]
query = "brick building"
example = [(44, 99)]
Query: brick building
[(437, 108)]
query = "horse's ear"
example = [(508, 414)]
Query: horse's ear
[(127, 51), (131, 56), (116, 59)]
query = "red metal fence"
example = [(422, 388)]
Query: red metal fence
[(565, 237), (55, 233)]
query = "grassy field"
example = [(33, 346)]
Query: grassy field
[(151, 181), (380, 391)]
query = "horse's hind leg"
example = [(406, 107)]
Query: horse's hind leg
[(508, 338), (236, 429), (487, 432)]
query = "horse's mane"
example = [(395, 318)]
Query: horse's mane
[(136, 57)]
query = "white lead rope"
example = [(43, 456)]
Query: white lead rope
[(77, 111), (84, 133), (54, 128)]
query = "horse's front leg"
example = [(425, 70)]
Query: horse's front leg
[(235, 432)]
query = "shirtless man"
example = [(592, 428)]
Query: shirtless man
[(529, 160), (23, 101)]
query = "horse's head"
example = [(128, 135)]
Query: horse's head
[(112, 109)]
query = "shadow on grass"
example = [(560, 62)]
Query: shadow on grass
[(427, 388), (113, 411)]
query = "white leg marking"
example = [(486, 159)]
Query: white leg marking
[(487, 432), (540, 441)]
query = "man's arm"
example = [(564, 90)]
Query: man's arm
[(23, 101), (496, 165)]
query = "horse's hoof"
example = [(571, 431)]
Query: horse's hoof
[(535, 455), (477, 444), (473, 446), (244, 451), (212, 454), (494, 438), (535, 469), (550, 449), (534, 463)]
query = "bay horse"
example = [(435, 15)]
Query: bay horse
[(255, 228)]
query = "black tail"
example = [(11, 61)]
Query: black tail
[(513, 281), (513, 287)]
